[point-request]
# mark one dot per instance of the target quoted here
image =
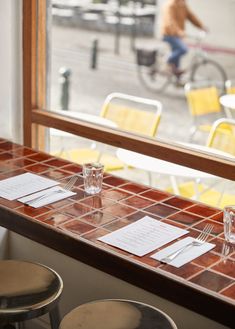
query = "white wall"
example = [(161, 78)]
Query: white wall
[(10, 68)]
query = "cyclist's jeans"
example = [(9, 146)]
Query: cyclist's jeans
[(178, 48)]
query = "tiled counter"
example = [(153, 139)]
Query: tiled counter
[(72, 226)]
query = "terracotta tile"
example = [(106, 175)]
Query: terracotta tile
[(24, 151), (97, 202), (156, 195), (119, 223), (33, 212), (73, 168), (6, 156), (21, 162), (94, 235), (178, 202), (14, 173), (39, 157), (221, 246), (137, 202), (55, 162), (8, 146), (146, 260), (76, 210), (218, 217), (98, 218), (203, 210), (217, 227), (5, 167), (78, 182), (140, 214), (207, 259), (119, 210), (56, 174), (59, 204), (161, 210), (134, 188), (115, 194), (184, 271), (114, 181), (185, 218), (77, 227), (80, 194), (54, 218), (38, 168), (10, 204), (170, 222), (229, 292), (212, 281), (227, 268)]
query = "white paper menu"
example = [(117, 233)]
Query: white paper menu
[(143, 236), (18, 186)]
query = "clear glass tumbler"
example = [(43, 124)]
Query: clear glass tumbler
[(93, 177), (229, 223)]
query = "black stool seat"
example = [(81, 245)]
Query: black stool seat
[(116, 314), (28, 290)]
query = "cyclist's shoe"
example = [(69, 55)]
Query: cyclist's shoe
[(175, 70)]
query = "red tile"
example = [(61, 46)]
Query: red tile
[(97, 202), (229, 292), (114, 181), (33, 212), (55, 162), (119, 210), (212, 281), (73, 168), (24, 151), (161, 210), (76, 210), (21, 162), (137, 202), (178, 202), (80, 194), (39, 157), (94, 235), (218, 217), (5, 167), (140, 214), (10, 204), (77, 227), (119, 223), (185, 271), (54, 218), (56, 174), (8, 146), (156, 195), (134, 188), (203, 210), (6, 156), (98, 218), (38, 168), (217, 227), (207, 259), (185, 218), (115, 194), (226, 267)]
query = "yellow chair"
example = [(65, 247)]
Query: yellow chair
[(230, 86), (203, 104), (221, 137), (130, 113)]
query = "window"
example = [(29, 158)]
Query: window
[(37, 114)]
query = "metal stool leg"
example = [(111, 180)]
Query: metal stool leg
[(55, 317)]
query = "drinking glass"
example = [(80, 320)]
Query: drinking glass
[(93, 177), (229, 223)]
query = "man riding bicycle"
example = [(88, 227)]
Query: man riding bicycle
[(174, 15)]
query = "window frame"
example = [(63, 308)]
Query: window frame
[(36, 117)]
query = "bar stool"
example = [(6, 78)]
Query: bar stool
[(116, 314), (28, 290)]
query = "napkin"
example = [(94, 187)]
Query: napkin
[(51, 195), (186, 256)]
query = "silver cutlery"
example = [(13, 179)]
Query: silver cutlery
[(68, 186), (202, 237)]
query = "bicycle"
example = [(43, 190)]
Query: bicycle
[(155, 76)]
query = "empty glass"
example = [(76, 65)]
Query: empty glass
[(229, 223), (93, 177)]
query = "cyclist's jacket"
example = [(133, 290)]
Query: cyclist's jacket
[(174, 15)]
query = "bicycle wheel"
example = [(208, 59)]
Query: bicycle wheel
[(209, 70), (152, 78)]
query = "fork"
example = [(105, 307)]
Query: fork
[(68, 186), (202, 237)]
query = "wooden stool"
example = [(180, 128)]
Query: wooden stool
[(116, 314), (28, 290)]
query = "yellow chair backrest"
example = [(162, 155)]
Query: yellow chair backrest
[(230, 87), (222, 136), (203, 101), (132, 119)]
